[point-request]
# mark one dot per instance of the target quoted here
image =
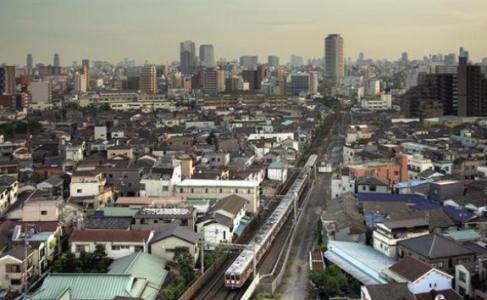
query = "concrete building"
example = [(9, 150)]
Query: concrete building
[(213, 81), (299, 84), (376, 103), (147, 80), (207, 56), (80, 83), (9, 80), (334, 60), (40, 92)]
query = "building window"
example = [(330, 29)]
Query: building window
[(15, 281), (80, 248), (12, 268), (462, 277), (79, 191), (44, 212), (372, 188), (120, 247)]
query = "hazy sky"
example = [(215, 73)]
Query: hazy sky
[(152, 29)]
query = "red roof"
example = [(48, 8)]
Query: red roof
[(110, 236)]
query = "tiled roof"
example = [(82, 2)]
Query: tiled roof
[(390, 291), (435, 246), (410, 268), (178, 231)]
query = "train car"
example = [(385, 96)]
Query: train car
[(241, 269)]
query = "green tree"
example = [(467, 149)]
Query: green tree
[(173, 291), (185, 263), (330, 282)]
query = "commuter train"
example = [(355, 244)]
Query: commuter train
[(241, 269)]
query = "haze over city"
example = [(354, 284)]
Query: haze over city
[(151, 30)]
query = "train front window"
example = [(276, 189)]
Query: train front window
[(237, 277)]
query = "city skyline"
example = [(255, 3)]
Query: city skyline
[(119, 29)]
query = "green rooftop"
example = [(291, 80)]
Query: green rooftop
[(139, 275), (463, 235)]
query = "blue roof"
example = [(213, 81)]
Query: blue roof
[(458, 214), (386, 197)]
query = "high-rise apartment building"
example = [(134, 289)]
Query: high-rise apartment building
[(334, 62), (207, 56), (9, 81), (85, 64), (187, 57), (29, 64), (56, 60), (299, 83), (147, 80), (273, 61)]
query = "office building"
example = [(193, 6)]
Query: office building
[(313, 82), (334, 63), (299, 84), (187, 57), (207, 56), (29, 64), (249, 62), (250, 77), (147, 80), (56, 60), (2, 81), (213, 81), (273, 61)]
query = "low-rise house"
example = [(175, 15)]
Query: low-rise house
[(88, 189), (437, 251), (471, 279), (120, 150), (8, 192), (160, 218), (166, 241), (140, 202), (160, 182), (217, 189), (420, 276), (216, 159), (224, 222), (9, 168), (18, 268), (74, 152), (277, 171), (54, 185), (124, 180), (116, 243), (387, 234), (371, 184)]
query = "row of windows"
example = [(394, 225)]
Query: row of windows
[(219, 190)]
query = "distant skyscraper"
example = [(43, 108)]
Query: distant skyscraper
[(404, 58), (249, 62), (2, 81), (296, 61), (85, 64), (56, 60), (207, 56), (463, 53), (29, 64), (273, 61), (450, 59), (334, 64), (361, 57), (187, 57), (80, 83), (147, 81)]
